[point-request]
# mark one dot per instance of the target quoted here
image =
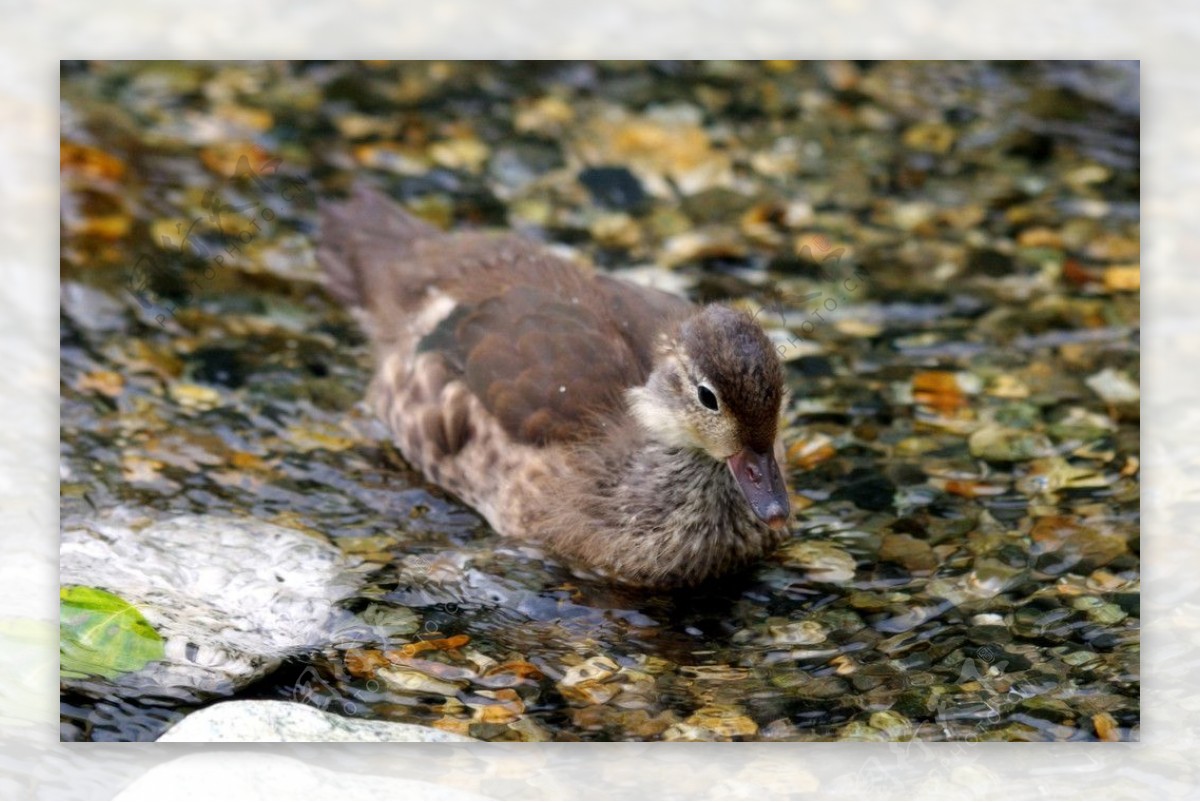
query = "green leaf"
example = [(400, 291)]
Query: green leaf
[(103, 635)]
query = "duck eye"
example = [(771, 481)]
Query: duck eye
[(707, 397)]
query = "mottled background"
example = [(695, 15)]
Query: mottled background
[(945, 252)]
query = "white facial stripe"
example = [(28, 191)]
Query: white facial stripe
[(658, 419)]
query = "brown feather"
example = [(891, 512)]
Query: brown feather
[(503, 371)]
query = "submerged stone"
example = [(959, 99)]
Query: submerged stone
[(614, 187), (1000, 444)]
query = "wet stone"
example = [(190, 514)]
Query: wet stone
[(913, 554), (520, 164), (999, 444), (1047, 709), (1114, 386), (614, 187), (489, 731), (713, 723), (989, 634), (588, 682), (1062, 544), (812, 366), (216, 365), (860, 731), (822, 561), (803, 686), (991, 263), (194, 397), (406, 680), (917, 703), (867, 489), (892, 724), (1131, 603), (884, 676), (91, 308), (797, 633), (1042, 617), (1098, 611)]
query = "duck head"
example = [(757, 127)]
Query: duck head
[(717, 386)]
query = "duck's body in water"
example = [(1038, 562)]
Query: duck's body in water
[(627, 430)]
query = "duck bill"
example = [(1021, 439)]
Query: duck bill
[(757, 474)]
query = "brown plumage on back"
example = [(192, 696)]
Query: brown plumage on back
[(624, 428)]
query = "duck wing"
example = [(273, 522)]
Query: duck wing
[(545, 344)]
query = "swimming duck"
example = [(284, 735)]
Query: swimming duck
[(631, 433)]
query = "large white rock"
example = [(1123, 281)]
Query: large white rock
[(278, 721), (232, 597)]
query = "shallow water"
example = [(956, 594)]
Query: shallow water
[(947, 253)]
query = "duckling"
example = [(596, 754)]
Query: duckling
[(632, 434)]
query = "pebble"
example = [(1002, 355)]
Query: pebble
[(797, 633), (1106, 727), (1002, 444), (392, 157), (913, 554), (105, 382), (820, 560), (465, 153), (713, 723), (944, 391), (88, 162), (1111, 247), (1051, 475), (545, 115), (586, 683), (616, 231), (1088, 174), (807, 453), (1098, 610), (859, 731), (91, 308), (1114, 386), (518, 166), (407, 680), (1073, 545), (195, 397), (614, 187), (1123, 278), (695, 246), (666, 143), (866, 488), (930, 137), (1040, 237), (502, 706)]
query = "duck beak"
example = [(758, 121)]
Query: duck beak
[(758, 476)]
